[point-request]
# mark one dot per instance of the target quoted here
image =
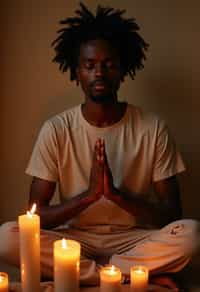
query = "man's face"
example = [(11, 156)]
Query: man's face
[(99, 71)]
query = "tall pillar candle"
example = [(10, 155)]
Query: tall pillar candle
[(3, 282), (29, 230), (139, 278), (66, 265), (110, 277)]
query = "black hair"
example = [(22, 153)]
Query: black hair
[(107, 24)]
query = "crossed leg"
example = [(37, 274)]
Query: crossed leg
[(9, 252), (166, 250)]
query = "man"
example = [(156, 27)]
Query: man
[(106, 155)]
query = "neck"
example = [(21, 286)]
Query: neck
[(102, 115)]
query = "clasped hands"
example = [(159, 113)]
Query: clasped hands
[(101, 179)]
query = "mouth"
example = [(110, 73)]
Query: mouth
[(100, 86)]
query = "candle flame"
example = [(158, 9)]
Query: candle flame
[(32, 211), (140, 271), (112, 270), (64, 243), (3, 277)]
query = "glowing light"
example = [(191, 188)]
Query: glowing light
[(64, 243), (32, 211), (3, 281), (139, 271), (113, 270)]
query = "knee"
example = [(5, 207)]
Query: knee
[(189, 231), (9, 241), (193, 237), (189, 227)]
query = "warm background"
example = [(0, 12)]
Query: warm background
[(32, 89)]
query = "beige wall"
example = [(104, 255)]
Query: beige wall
[(32, 89)]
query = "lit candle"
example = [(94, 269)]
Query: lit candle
[(29, 230), (139, 278), (3, 282), (110, 279), (66, 265)]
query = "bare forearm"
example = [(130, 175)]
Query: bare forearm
[(42, 191), (55, 215), (155, 213)]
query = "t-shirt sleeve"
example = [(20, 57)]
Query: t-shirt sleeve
[(168, 161), (43, 161)]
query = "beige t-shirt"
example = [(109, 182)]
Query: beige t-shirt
[(139, 148)]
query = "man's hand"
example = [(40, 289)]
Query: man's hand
[(108, 178), (101, 179), (110, 192), (96, 184)]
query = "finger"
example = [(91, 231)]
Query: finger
[(107, 168), (98, 153), (96, 150), (102, 141), (102, 150), (99, 149), (102, 153), (98, 142), (99, 158), (105, 156)]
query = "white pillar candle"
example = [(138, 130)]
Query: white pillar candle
[(110, 278), (3, 282), (139, 278), (66, 265), (29, 230)]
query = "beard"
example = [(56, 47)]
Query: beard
[(103, 98)]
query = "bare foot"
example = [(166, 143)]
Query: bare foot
[(125, 279), (164, 281)]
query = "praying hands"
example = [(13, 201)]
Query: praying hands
[(101, 179)]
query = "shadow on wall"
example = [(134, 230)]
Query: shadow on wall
[(174, 95)]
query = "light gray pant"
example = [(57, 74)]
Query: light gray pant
[(166, 250)]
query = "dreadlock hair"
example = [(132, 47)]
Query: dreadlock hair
[(107, 24)]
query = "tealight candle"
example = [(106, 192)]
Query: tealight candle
[(3, 282), (139, 278), (29, 231), (66, 265), (110, 277)]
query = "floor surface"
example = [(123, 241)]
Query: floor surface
[(190, 278)]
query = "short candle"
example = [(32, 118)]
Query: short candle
[(3, 282), (66, 265), (139, 278), (110, 277)]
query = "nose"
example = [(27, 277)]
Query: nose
[(99, 70)]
